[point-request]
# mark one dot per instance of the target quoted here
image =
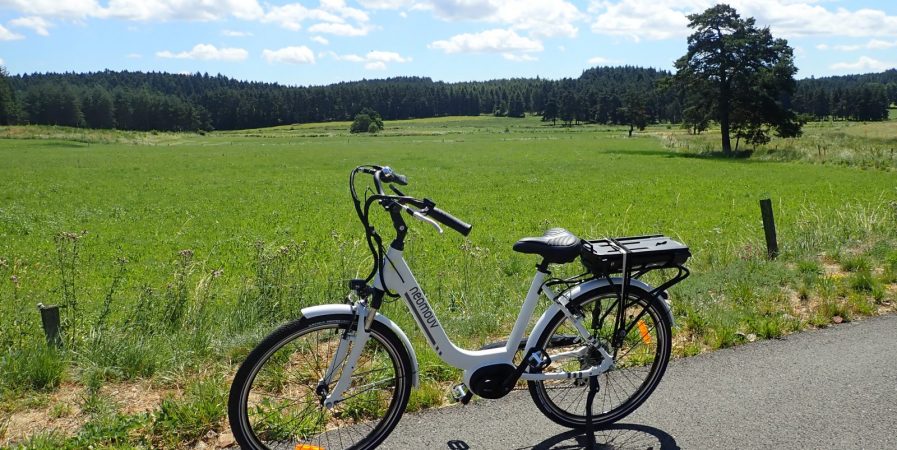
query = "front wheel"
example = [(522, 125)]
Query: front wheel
[(639, 361), (276, 399)]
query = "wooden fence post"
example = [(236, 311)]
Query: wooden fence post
[(769, 228), (49, 316)]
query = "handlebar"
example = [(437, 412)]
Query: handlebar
[(424, 210), (448, 220), (426, 207)]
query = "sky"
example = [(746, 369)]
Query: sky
[(315, 42)]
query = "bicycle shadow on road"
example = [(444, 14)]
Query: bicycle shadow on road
[(620, 436)]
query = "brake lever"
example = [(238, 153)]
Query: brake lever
[(424, 218)]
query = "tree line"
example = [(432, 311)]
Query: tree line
[(613, 95), (161, 101), (853, 97)]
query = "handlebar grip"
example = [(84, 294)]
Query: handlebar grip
[(449, 220), (399, 179)]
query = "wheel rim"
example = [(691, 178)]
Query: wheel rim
[(638, 366), (282, 407)]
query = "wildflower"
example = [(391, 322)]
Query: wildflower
[(217, 273), (186, 253), (14, 279)]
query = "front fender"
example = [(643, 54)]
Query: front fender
[(583, 289), (321, 310)]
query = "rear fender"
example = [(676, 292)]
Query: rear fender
[(584, 289), (322, 310)]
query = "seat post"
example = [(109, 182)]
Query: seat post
[(543, 267)]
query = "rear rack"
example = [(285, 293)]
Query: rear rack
[(635, 256)]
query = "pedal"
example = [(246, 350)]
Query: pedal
[(461, 394), (538, 360)]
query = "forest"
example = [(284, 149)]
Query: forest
[(173, 102)]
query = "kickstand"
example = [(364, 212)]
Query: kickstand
[(590, 426)]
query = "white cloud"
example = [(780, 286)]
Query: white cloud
[(874, 44), (320, 40), (547, 18), (544, 18), (36, 24), (864, 63), (464, 9), (489, 41), (7, 35), (641, 19), (291, 55), (386, 4), (847, 48), (598, 60), (373, 60), (340, 8), (540, 18), (386, 57), (339, 29), (877, 44), (145, 10), (202, 10), (133, 56), (663, 19), (331, 15), (519, 57), (72, 9), (207, 52), (350, 57), (235, 33)]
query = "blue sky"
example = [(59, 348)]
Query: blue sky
[(325, 41)]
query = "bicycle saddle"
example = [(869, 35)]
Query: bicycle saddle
[(557, 246)]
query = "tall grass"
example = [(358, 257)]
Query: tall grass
[(867, 145)]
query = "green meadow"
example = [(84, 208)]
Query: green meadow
[(173, 254)]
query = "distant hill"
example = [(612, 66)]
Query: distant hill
[(163, 101)]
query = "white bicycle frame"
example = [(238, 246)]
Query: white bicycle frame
[(398, 278)]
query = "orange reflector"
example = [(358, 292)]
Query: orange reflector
[(308, 447), (643, 329)]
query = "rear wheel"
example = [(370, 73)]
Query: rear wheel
[(639, 362), (277, 394)]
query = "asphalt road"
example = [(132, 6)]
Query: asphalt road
[(826, 389)]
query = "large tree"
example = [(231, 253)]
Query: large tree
[(744, 74)]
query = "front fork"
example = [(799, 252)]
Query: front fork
[(351, 345)]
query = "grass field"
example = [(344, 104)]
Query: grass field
[(175, 253)]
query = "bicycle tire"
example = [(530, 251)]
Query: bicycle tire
[(613, 401), (262, 417)]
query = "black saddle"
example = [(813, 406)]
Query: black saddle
[(557, 246)]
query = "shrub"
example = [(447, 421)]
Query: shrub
[(367, 121), (201, 409), (36, 367)]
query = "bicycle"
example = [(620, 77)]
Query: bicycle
[(341, 375)]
